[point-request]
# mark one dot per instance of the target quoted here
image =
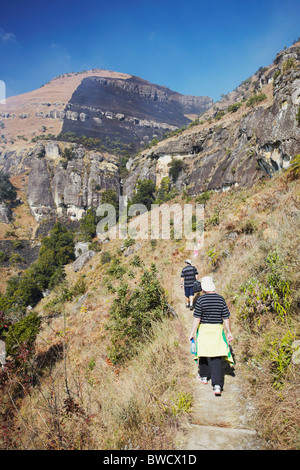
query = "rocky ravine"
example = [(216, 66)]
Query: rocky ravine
[(225, 149)]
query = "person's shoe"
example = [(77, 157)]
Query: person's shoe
[(191, 307), (203, 380), (187, 305), (217, 390)]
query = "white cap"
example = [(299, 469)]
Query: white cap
[(188, 261), (207, 284)]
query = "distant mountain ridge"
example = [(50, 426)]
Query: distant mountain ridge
[(131, 111), (248, 135), (105, 105)]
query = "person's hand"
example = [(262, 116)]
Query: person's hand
[(192, 336), (181, 285), (229, 337)]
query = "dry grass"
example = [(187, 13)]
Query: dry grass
[(128, 407), (136, 406)]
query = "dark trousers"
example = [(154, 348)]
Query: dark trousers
[(212, 368)]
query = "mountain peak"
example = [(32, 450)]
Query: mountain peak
[(99, 104)]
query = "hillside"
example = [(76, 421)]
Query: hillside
[(97, 331), (148, 398), (118, 109), (248, 135)]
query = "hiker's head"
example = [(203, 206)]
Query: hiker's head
[(188, 261), (207, 284)]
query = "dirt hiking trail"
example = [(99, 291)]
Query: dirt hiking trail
[(217, 422)]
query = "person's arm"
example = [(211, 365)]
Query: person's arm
[(227, 325), (194, 328)]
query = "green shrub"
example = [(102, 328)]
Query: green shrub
[(23, 331), (110, 196), (57, 277), (234, 107), (105, 257), (132, 315), (116, 269), (276, 74), (165, 192), (128, 242), (88, 225), (136, 261), (219, 115), (8, 192), (204, 197), (15, 259), (176, 167), (68, 153), (288, 65), (294, 169), (271, 294), (144, 193), (253, 100), (56, 250), (280, 354)]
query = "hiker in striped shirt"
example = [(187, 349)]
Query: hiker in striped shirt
[(189, 274), (210, 314)]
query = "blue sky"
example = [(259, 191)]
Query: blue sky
[(194, 47)]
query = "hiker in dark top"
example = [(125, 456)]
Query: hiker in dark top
[(189, 274), (210, 313)]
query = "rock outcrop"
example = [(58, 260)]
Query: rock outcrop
[(82, 260), (5, 214), (249, 134), (128, 112), (63, 187)]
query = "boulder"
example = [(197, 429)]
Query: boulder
[(82, 260), (2, 353), (5, 214), (81, 248)]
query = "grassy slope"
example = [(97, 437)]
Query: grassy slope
[(141, 404)]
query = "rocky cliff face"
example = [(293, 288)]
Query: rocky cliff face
[(68, 188), (128, 112), (251, 133), (60, 186)]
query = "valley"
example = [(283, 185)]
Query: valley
[(97, 340)]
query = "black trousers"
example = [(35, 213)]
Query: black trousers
[(212, 368)]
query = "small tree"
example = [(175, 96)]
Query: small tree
[(88, 225), (145, 193), (176, 167), (8, 192)]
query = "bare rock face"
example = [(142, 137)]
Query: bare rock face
[(39, 194), (128, 112), (239, 139), (82, 260), (2, 354), (233, 148), (5, 214), (67, 188)]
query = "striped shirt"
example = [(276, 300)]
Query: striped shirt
[(211, 308), (189, 273)]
